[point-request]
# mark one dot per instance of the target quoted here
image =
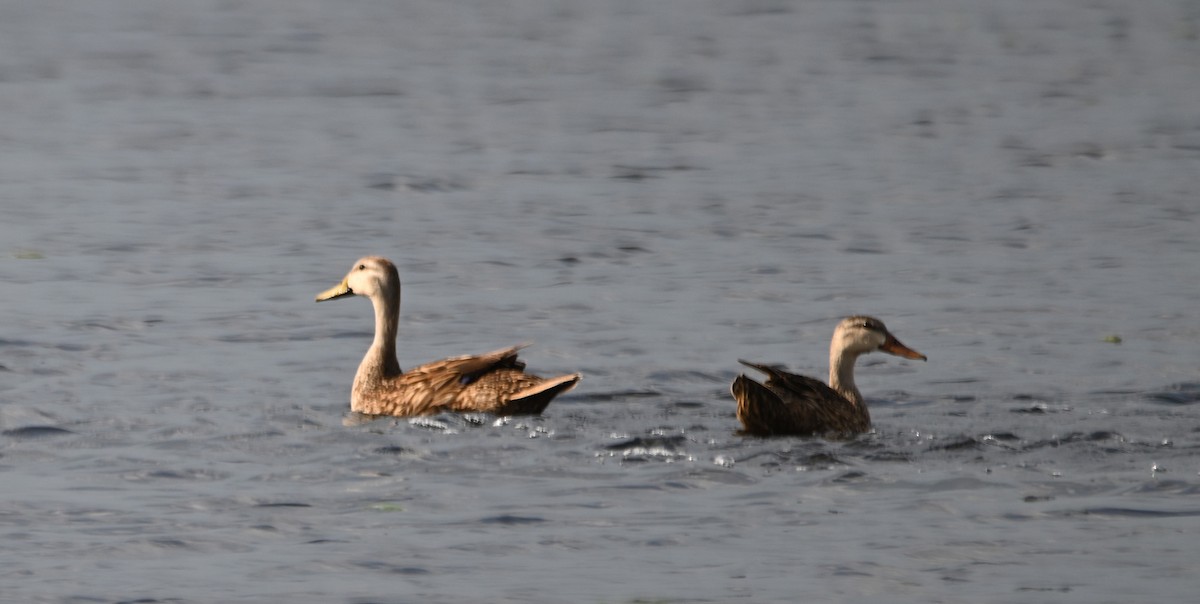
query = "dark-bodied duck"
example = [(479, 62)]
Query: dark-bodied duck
[(488, 383), (795, 404)]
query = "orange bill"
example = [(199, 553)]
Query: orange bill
[(893, 346)]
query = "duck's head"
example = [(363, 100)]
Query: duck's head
[(370, 276), (860, 335)]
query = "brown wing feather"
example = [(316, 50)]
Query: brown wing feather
[(470, 365), (472, 383), (797, 405)]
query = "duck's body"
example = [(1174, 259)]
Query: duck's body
[(795, 404), (488, 383)]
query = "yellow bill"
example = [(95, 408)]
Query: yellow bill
[(337, 291)]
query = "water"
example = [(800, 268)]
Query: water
[(646, 191)]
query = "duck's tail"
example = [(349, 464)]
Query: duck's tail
[(535, 398)]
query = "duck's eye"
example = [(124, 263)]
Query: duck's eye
[(362, 267)]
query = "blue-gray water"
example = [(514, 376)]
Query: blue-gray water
[(647, 191)]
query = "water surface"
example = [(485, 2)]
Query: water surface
[(648, 192)]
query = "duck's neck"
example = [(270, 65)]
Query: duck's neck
[(841, 374), (380, 361)]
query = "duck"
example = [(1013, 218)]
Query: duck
[(494, 382), (790, 404)]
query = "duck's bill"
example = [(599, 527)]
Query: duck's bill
[(893, 346), (340, 290)]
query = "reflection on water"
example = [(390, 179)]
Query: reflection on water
[(648, 192)]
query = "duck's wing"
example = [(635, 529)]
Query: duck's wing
[(486, 383), (437, 386), (800, 387), (786, 403), (469, 368)]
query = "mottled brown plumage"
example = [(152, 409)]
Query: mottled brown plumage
[(489, 383), (787, 403)]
